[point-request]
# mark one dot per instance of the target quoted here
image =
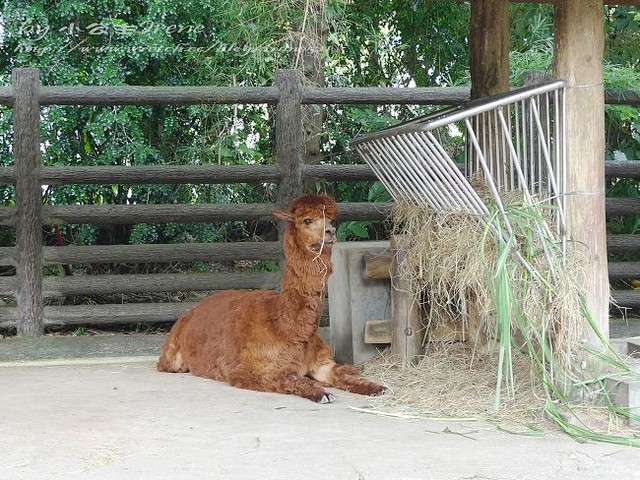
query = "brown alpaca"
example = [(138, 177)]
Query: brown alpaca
[(269, 341)]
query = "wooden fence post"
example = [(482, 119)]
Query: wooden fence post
[(26, 153), (289, 139)]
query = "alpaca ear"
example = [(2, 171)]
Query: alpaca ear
[(282, 215)]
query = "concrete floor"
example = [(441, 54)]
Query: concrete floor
[(115, 417)]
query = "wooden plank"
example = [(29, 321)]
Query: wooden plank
[(377, 266), (144, 95), (164, 174), (377, 332), (330, 95), (26, 150), (129, 214), (407, 329), (626, 298), (622, 169), (352, 173), (624, 270), (579, 49), (623, 243), (106, 314), (171, 253), (137, 283), (181, 174), (382, 95), (622, 206)]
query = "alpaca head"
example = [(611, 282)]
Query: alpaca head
[(310, 224)]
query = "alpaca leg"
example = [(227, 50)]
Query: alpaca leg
[(171, 359), (280, 382), (308, 388), (346, 377)]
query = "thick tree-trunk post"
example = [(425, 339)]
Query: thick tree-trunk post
[(289, 141), (489, 44), (308, 55), (579, 47), (26, 151)]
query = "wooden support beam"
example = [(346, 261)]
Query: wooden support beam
[(407, 329), (289, 141), (377, 266), (489, 44), (579, 48)]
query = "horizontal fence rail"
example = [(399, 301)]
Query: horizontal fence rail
[(180, 174), (132, 214), (173, 253), (132, 95), (108, 314), (34, 290), (144, 283)]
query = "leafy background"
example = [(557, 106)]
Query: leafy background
[(243, 43)]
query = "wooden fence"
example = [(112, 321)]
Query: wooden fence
[(30, 287)]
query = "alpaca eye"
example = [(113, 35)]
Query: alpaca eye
[(307, 221)]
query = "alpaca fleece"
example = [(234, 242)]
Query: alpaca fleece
[(268, 341)]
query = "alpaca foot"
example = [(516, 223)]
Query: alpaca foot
[(326, 398), (312, 390), (171, 361), (346, 377), (376, 390), (364, 387)]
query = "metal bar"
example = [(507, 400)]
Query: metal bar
[(432, 178), (409, 185), (425, 175)]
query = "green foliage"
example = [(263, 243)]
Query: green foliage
[(393, 43), (80, 331), (623, 35), (537, 325), (240, 42), (532, 41), (265, 266), (366, 229)]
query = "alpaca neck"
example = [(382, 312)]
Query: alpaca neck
[(303, 290)]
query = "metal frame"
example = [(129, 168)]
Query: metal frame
[(514, 142)]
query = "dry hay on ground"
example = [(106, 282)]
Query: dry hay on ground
[(452, 383)]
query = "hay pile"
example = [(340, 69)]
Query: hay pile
[(454, 263), (507, 287)]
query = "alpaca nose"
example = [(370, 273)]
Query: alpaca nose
[(330, 231)]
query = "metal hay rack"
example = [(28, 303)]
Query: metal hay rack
[(512, 142)]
